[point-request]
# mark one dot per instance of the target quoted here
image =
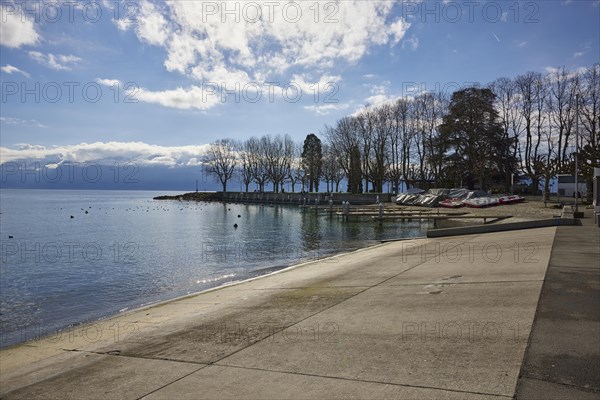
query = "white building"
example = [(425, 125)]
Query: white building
[(566, 185)]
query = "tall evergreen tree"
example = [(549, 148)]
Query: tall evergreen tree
[(475, 135), (355, 176), (312, 161)]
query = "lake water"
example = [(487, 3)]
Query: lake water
[(129, 250)]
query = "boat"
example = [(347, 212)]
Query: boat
[(511, 199), (451, 203), (481, 202)]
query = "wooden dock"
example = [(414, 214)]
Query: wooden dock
[(492, 218)]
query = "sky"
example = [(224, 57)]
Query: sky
[(154, 82)]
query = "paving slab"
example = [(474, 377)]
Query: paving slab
[(93, 376), (257, 384), (490, 258), (468, 338), (214, 335), (365, 267)]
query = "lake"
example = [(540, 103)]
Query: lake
[(122, 250)]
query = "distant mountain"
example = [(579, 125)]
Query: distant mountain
[(127, 176)]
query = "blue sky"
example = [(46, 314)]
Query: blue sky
[(173, 58)]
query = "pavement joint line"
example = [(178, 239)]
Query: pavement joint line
[(590, 390), (447, 283), (315, 287), (108, 353), (362, 380), (319, 312), (170, 383)]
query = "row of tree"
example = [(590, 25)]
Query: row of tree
[(479, 137), (274, 160)]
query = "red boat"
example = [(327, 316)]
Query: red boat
[(511, 199)]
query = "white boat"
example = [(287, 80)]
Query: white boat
[(451, 203), (481, 202)]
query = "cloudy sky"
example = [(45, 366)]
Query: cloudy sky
[(154, 81)]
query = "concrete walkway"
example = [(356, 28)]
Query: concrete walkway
[(563, 357), (444, 318)]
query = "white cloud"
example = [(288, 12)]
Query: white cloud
[(578, 54), (194, 97), (553, 72), (380, 99), (412, 43), (16, 31), (19, 121), (9, 69), (202, 97), (378, 96), (369, 76), (522, 44), (204, 43), (149, 24), (58, 62), (321, 85), (108, 82), (106, 153), (399, 29), (325, 109), (376, 89)]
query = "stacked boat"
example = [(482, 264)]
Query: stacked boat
[(454, 198)]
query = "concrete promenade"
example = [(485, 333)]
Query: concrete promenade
[(445, 318)]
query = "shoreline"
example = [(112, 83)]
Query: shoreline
[(90, 323)]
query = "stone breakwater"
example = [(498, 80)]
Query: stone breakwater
[(281, 198)]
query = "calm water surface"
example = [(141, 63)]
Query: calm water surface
[(129, 250)]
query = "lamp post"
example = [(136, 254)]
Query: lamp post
[(512, 183), (576, 151)]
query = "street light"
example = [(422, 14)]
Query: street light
[(576, 150)]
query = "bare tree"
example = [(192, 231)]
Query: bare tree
[(589, 154), (245, 161), (590, 106), (532, 90), (563, 88), (220, 160), (258, 168), (378, 166), (332, 170), (344, 139), (296, 172), (508, 104)]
